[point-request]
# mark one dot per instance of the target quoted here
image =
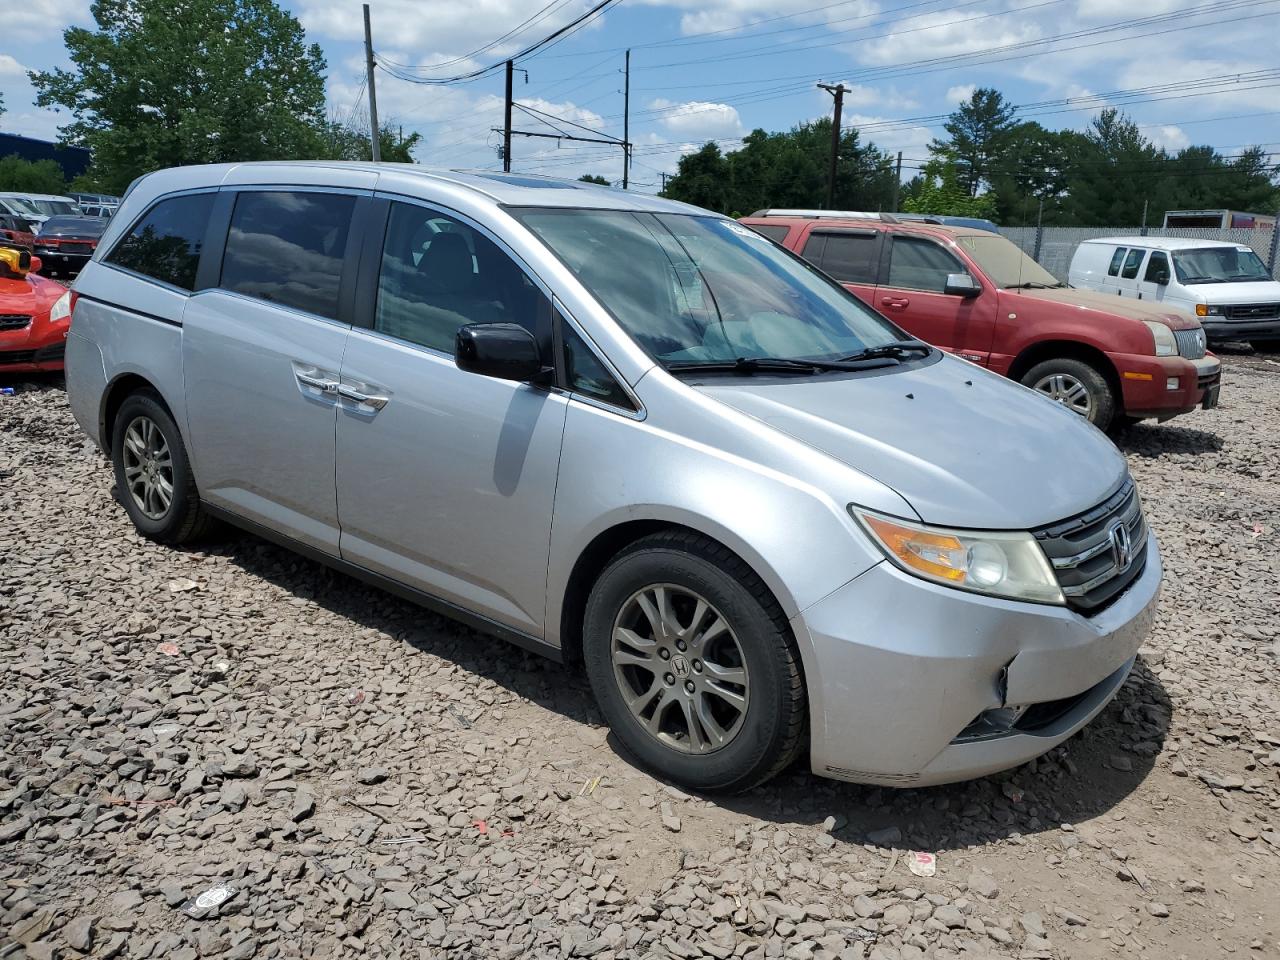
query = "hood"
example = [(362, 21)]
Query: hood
[(1128, 307), (964, 447), (32, 295), (1252, 291)]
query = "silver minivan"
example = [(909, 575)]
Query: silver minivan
[(632, 435)]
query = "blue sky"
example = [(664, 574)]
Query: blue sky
[(1191, 71)]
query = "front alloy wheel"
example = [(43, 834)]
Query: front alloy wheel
[(679, 668), (1068, 391)]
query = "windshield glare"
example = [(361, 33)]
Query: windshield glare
[(1005, 263), (1219, 265), (695, 289)]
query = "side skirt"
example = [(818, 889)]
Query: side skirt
[(423, 599)]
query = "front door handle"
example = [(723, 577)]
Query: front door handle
[(355, 396), (321, 384), (894, 301)]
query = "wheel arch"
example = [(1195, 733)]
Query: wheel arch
[(118, 390), (1043, 350)]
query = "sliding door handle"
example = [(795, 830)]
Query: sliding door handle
[(319, 383), (355, 396)]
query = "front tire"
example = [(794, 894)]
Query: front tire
[(693, 664), (153, 472), (1078, 386), (1265, 346)]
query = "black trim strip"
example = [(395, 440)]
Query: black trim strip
[(412, 594), (138, 313)]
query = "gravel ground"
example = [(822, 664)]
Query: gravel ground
[(351, 775)]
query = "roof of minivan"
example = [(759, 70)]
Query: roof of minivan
[(525, 190), (1162, 243)]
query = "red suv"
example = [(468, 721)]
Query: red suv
[(975, 294)]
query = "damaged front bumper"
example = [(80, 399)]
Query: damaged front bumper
[(914, 684)]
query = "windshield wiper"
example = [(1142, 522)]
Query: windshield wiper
[(897, 349), (1033, 285), (1203, 280), (747, 365)]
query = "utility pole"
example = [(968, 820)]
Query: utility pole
[(1144, 216), (375, 147), (626, 123), (506, 126), (1039, 231), (1272, 263), (838, 91), (897, 182), (664, 186)]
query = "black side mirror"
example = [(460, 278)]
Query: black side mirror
[(1161, 278), (961, 285), (506, 351)]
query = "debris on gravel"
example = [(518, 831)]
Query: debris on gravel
[(233, 752)]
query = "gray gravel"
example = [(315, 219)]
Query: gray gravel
[(233, 752)]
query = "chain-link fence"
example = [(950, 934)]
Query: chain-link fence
[(1057, 245)]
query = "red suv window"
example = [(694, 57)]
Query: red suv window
[(918, 264)]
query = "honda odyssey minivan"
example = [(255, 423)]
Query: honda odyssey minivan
[(632, 435)]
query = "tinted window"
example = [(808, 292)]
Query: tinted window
[(776, 232), (851, 257), (918, 264), (1117, 258), (1159, 263), (1131, 264), (287, 248), (165, 243), (438, 274), (585, 374)]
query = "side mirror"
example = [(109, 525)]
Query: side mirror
[(1161, 278), (961, 285), (506, 351), (36, 264)]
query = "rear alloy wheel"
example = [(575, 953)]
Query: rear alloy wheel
[(1076, 385), (693, 663)]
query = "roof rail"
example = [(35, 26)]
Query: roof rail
[(824, 214)]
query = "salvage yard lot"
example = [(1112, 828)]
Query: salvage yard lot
[(233, 714)]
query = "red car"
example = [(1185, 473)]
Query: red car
[(34, 314), (16, 230), (975, 294)]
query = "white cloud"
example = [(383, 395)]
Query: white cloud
[(959, 94), (860, 95), (1170, 137), (942, 35), (698, 118), (10, 67), (712, 15), (42, 20)]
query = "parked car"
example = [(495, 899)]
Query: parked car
[(977, 295), (15, 206), (1225, 284), (34, 314), (629, 434), (16, 230), (65, 244)]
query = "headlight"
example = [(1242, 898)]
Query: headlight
[(1205, 310), (1000, 563), (61, 309), (1166, 342)]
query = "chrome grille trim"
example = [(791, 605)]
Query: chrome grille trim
[(1192, 344)]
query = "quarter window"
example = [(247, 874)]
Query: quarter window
[(1131, 264), (776, 232), (1117, 258), (1158, 264), (851, 257), (287, 247), (586, 374), (916, 264), (165, 243), (439, 274)]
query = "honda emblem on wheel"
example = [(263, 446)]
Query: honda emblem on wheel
[(680, 666), (1121, 546)]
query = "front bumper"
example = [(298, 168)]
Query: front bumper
[(38, 347), (1145, 384), (900, 669), (1219, 330)]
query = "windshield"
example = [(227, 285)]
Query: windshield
[(1004, 263), (694, 289), (1219, 265), (24, 205)]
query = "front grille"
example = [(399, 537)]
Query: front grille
[(1191, 343), (1252, 311), (17, 356), (14, 321), (76, 248), (56, 351), (1084, 553)]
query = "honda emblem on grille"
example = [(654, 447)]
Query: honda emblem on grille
[(1121, 546)]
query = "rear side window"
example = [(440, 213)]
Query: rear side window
[(1131, 264), (1157, 265), (586, 374), (287, 247), (777, 232), (916, 264), (851, 257), (165, 243), (1117, 258)]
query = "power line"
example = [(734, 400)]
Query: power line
[(536, 18)]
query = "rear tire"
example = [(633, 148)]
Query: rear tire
[(153, 473), (711, 696), (1078, 386)]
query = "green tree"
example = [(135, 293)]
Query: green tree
[(341, 142), (701, 179), (593, 178), (978, 131), (166, 82), (938, 190), (24, 176), (1115, 171)]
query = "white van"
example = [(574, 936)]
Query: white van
[(1225, 284)]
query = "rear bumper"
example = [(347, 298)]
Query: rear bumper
[(917, 684), (1148, 389)]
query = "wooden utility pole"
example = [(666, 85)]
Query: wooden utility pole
[(897, 182), (375, 146), (506, 126), (626, 123), (838, 91)]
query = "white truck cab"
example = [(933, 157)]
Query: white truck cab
[(1226, 285)]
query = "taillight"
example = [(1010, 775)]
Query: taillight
[(63, 307)]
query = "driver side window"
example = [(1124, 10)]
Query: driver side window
[(439, 274), (917, 264)]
